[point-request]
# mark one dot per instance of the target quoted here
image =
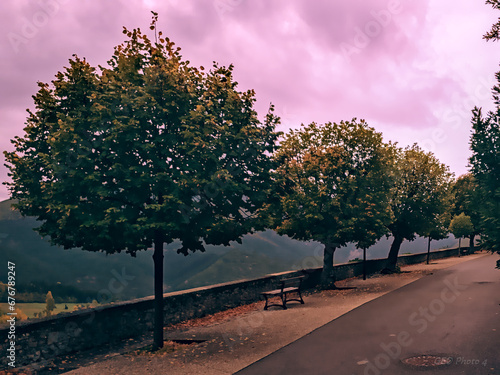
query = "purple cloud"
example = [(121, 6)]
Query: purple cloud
[(412, 69)]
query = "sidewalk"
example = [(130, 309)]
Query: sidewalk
[(229, 341)]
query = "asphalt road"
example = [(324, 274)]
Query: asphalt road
[(452, 315)]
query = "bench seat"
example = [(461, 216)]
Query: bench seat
[(288, 286)]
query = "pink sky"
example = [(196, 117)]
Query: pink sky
[(413, 69)]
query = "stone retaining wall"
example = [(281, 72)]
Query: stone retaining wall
[(40, 339)]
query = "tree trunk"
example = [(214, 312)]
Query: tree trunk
[(392, 259), (460, 247), (471, 244), (327, 275), (364, 264), (158, 286), (428, 250)]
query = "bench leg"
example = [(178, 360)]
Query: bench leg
[(295, 299), (301, 300)]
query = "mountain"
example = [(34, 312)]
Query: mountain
[(120, 276)]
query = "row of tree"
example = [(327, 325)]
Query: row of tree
[(485, 160), (150, 149)]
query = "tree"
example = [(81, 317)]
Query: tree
[(485, 162), (419, 198), (485, 159), (141, 153), (437, 229), (332, 187), (19, 315), (494, 33), (466, 199), (461, 226), (50, 304)]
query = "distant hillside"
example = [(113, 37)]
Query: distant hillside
[(259, 254), (7, 212)]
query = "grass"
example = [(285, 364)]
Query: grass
[(31, 308)]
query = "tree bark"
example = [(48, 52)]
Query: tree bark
[(364, 264), (327, 275), (158, 287), (471, 244), (428, 250), (392, 259)]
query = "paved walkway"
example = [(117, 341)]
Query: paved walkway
[(230, 341), (447, 324)]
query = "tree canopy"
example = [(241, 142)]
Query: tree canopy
[(494, 32), (148, 144), (332, 187), (467, 199), (419, 197), (485, 162), (485, 159), (461, 226), (143, 152)]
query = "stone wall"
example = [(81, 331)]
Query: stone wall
[(40, 339)]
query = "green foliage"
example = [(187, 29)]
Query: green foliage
[(332, 187), (77, 276), (332, 184), (461, 226), (146, 151), (420, 198), (485, 163), (420, 193), (467, 199), (148, 145), (494, 33), (485, 159)]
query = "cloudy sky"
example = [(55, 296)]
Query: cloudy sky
[(412, 68)]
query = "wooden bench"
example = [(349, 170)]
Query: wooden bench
[(287, 287)]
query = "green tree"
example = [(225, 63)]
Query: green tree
[(494, 33), (50, 304), (141, 153), (332, 187), (461, 226), (485, 162), (419, 198), (485, 159), (467, 199), (437, 229)]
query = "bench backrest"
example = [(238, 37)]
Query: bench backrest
[(292, 282)]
